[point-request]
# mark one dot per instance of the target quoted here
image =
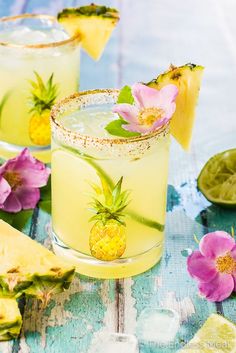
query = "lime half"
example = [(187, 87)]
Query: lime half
[(217, 335), (217, 180)]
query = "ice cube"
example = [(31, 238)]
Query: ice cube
[(18, 36), (158, 325), (36, 37), (58, 35), (114, 343)]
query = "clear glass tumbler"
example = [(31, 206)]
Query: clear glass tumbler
[(108, 193), (39, 64)]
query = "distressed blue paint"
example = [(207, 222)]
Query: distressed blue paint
[(173, 198)]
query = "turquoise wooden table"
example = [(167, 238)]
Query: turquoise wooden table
[(152, 34)]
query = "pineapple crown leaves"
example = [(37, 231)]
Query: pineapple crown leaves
[(43, 95), (109, 202)]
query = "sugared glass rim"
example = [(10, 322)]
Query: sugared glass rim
[(58, 108), (75, 38)]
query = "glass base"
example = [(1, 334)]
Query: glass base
[(120, 268), (8, 150)]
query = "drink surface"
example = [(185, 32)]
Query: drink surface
[(145, 178), (24, 118), (91, 121), (24, 35)]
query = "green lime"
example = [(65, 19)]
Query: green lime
[(217, 180), (217, 335)]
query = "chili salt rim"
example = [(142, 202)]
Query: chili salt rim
[(78, 140), (74, 39)]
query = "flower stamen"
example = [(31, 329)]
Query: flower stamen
[(13, 178), (226, 264), (148, 116)]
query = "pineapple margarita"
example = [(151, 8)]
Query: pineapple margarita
[(39, 60), (110, 154)]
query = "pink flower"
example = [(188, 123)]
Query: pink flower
[(152, 109), (20, 180), (214, 266)]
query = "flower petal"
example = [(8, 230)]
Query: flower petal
[(143, 129), (218, 289), (146, 97), (168, 94), (12, 204), (5, 190), (216, 244), (127, 111), (169, 110), (33, 172), (28, 197), (159, 123), (200, 267)]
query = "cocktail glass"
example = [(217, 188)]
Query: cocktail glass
[(38, 65), (88, 162)]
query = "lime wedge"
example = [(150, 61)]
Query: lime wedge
[(217, 180), (217, 335)]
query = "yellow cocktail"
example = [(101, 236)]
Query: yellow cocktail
[(94, 173), (38, 65)]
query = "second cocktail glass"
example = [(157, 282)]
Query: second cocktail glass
[(94, 173), (39, 65)]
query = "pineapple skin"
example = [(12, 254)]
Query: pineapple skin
[(26, 267), (107, 241), (39, 128), (10, 319)]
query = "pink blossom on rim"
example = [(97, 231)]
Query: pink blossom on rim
[(214, 266), (152, 109), (20, 180)]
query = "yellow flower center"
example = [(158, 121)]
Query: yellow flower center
[(148, 116), (13, 179), (226, 264)]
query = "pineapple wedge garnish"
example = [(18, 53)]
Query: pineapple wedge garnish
[(28, 267), (93, 23), (10, 319), (188, 80)]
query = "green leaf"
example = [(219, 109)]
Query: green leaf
[(125, 96), (45, 206), (3, 102), (115, 128), (16, 220), (45, 191), (2, 161), (21, 218), (6, 216)]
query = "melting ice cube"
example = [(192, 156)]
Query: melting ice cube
[(114, 343), (158, 325)]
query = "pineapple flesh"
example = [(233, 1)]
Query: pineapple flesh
[(10, 319), (188, 80), (28, 267), (107, 240), (93, 23), (41, 100)]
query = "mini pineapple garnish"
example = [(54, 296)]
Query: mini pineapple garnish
[(107, 239), (42, 98)]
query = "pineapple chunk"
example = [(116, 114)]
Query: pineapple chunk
[(188, 80), (28, 267), (93, 23), (10, 319)]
